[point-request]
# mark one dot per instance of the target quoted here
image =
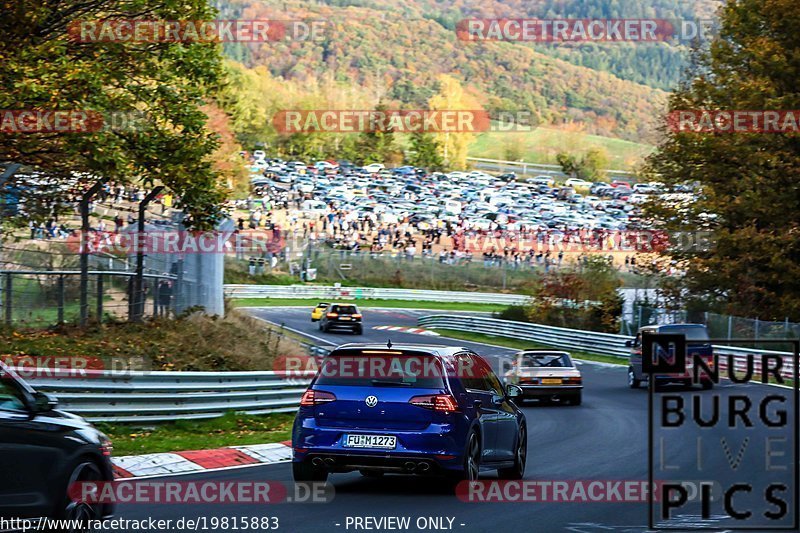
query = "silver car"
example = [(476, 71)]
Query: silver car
[(546, 375)]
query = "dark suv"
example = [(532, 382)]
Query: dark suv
[(341, 317), (408, 409), (697, 345), (44, 451)]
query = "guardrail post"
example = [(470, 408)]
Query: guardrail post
[(9, 299), (156, 282), (61, 299), (100, 298), (177, 293)]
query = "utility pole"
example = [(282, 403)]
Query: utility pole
[(138, 282), (84, 249)]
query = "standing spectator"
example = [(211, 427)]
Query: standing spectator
[(164, 298)]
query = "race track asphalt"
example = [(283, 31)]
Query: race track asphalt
[(606, 438)]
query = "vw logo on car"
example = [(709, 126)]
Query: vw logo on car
[(371, 401)]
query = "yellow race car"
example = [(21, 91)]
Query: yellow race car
[(316, 313)]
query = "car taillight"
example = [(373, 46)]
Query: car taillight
[(332, 315), (106, 447), (357, 315), (574, 380), (315, 397), (528, 380), (438, 402)]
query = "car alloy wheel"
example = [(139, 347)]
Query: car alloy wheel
[(522, 451), (472, 465), (80, 514)]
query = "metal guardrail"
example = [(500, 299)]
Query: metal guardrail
[(103, 396), (568, 339), (330, 292), (574, 339)]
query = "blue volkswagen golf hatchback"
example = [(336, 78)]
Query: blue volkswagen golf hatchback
[(408, 409)]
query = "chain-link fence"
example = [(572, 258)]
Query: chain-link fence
[(39, 298), (734, 327), (719, 326), (172, 279)]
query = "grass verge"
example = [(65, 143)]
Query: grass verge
[(407, 304), (193, 342), (525, 345), (182, 435)]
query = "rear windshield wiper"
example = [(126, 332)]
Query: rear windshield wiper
[(384, 383)]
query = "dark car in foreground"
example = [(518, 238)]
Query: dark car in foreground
[(341, 317), (43, 452), (408, 409), (697, 345)]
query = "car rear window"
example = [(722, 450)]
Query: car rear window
[(381, 368), (545, 360), (692, 333), (345, 309)]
